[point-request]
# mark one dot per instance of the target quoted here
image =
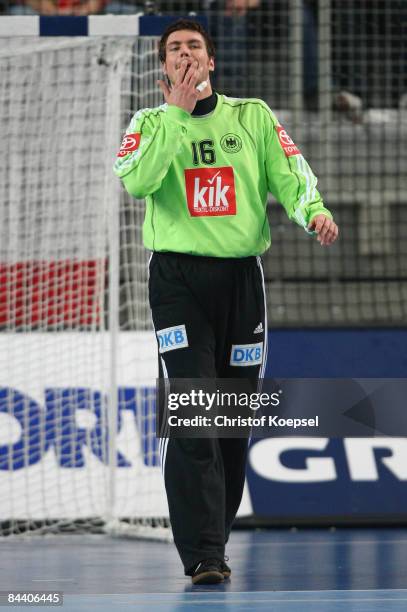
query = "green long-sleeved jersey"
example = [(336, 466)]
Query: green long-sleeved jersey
[(206, 179)]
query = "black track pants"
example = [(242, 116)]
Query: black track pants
[(206, 312)]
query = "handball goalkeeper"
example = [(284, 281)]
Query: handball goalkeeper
[(205, 164)]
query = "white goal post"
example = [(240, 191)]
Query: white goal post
[(77, 354)]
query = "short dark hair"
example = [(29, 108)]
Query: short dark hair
[(185, 24)]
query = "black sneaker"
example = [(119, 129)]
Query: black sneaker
[(225, 569), (209, 571)]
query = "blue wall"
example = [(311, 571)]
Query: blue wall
[(347, 353)]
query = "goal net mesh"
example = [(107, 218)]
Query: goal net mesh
[(77, 442)]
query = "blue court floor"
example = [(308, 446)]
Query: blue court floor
[(304, 570)]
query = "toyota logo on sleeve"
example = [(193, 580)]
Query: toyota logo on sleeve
[(130, 143), (290, 148)]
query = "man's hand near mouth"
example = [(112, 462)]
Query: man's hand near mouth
[(183, 92)]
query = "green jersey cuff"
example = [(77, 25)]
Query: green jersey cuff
[(177, 114)]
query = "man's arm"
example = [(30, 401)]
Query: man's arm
[(292, 182), (148, 148)]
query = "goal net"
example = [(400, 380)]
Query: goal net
[(77, 436)]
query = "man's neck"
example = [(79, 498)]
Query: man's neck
[(205, 93), (205, 105)]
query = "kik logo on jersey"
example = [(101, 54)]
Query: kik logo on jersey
[(210, 191)]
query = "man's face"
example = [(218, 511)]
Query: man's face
[(190, 46)]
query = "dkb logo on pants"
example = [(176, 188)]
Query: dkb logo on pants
[(246, 354), (172, 338)]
